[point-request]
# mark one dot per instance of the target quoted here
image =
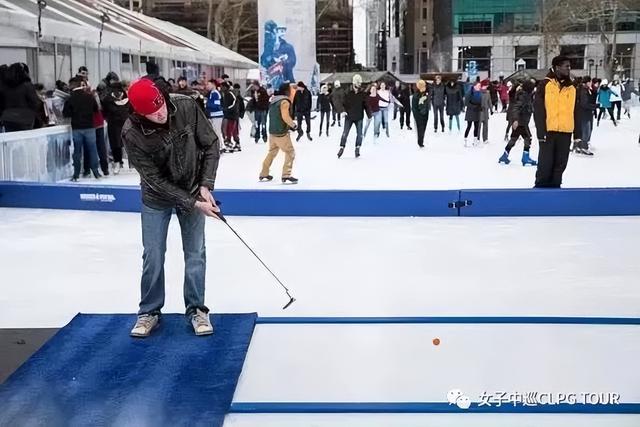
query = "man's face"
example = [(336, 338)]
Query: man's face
[(563, 70), (209, 86), (159, 116), (438, 80), (182, 84)]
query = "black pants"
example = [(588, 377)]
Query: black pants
[(521, 131), (476, 129), (307, 118), (616, 105), (504, 105), (438, 111), (114, 131), (103, 156), (323, 115), (405, 116), (421, 127), (610, 110), (553, 159), (335, 115)]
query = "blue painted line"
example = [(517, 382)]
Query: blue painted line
[(448, 320), (423, 408)]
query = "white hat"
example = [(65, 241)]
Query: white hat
[(604, 82), (336, 83), (357, 80)]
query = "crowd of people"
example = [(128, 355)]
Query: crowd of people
[(24, 106)]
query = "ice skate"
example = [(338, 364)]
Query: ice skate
[(526, 160), (289, 179), (265, 178), (340, 152), (504, 158)]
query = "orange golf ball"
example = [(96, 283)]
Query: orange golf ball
[(436, 341)]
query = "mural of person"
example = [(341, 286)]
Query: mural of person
[(279, 56)]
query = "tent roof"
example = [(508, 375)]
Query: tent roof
[(367, 77), (78, 22)]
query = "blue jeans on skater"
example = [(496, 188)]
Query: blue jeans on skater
[(84, 140), (155, 224), (457, 121), (384, 118), (261, 125), (347, 127), (375, 118), (587, 126)]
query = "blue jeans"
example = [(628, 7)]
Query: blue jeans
[(84, 139), (587, 125), (155, 223), (384, 118), (375, 118), (347, 127), (261, 124)]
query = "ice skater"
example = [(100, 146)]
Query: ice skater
[(337, 102), (324, 107), (554, 104), (438, 98), (420, 105), (454, 102), (280, 123), (171, 143), (521, 110), (355, 105)]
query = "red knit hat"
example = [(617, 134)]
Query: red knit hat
[(145, 97)]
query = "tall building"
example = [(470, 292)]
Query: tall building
[(501, 36), (370, 44), (334, 35)]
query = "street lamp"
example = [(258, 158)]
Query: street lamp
[(591, 62)]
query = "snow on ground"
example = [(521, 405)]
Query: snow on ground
[(397, 162)]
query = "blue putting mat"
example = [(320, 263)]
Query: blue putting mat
[(91, 373)]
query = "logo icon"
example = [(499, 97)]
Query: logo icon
[(456, 397)]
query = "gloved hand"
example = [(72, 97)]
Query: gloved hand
[(541, 140)]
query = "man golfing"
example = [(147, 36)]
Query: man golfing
[(173, 147)]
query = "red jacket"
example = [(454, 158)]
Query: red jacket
[(503, 89)]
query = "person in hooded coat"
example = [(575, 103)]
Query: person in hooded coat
[(454, 102), (337, 102), (19, 98), (604, 99)]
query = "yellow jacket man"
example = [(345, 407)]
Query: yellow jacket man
[(554, 105)]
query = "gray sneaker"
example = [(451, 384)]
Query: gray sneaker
[(145, 324), (201, 323)]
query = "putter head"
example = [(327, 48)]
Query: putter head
[(291, 301)]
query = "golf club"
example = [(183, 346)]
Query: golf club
[(223, 219)]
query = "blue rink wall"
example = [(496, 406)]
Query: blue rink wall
[(400, 203)]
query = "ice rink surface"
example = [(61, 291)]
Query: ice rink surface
[(396, 163), (58, 263)]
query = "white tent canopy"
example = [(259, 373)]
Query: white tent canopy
[(74, 25)]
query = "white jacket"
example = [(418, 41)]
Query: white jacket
[(385, 98), (615, 93)]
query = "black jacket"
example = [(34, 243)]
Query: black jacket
[(80, 108), (455, 100), (355, 104), (230, 109), (437, 95), (587, 99), (523, 108), (173, 160), (323, 103), (20, 103), (302, 102)]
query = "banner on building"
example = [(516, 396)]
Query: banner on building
[(287, 37)]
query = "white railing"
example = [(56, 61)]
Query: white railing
[(40, 155)]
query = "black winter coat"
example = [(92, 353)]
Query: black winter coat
[(454, 100), (173, 160), (323, 103), (20, 104), (523, 108), (355, 104), (80, 108), (230, 107), (437, 95), (302, 102)]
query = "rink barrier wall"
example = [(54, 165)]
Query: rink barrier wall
[(507, 320), (424, 408), (344, 203)]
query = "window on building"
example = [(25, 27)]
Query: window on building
[(424, 13), (126, 58), (424, 30), (530, 56), (575, 53), (424, 44), (623, 58), (474, 56), (474, 27)]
